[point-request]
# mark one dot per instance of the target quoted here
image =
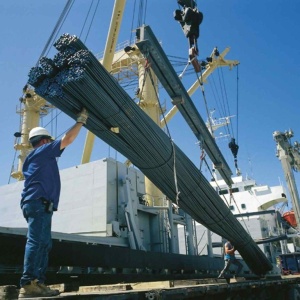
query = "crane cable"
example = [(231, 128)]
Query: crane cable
[(95, 10), (203, 156), (205, 102), (223, 196), (177, 192), (53, 36), (210, 125), (237, 103), (57, 27), (142, 13), (223, 100)]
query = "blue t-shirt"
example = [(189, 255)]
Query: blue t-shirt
[(229, 256), (41, 174)]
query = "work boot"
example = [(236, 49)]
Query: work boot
[(48, 290), (34, 290), (31, 290)]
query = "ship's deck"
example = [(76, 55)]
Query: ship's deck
[(275, 288)]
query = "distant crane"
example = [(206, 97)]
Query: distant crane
[(289, 155)]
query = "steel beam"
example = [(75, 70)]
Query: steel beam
[(153, 52)]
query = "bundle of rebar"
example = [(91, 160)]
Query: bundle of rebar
[(74, 79)]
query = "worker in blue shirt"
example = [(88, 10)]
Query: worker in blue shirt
[(230, 258), (40, 197)]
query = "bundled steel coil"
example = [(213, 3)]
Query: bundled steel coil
[(75, 79)]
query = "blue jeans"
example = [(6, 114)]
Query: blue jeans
[(39, 242), (228, 263)]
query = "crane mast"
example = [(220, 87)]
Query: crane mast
[(109, 52), (289, 155)]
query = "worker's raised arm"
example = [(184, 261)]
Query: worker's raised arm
[(72, 133)]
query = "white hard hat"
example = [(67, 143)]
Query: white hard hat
[(39, 131)]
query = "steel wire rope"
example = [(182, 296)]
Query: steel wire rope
[(198, 243), (224, 111), (170, 137), (142, 12), (228, 108), (132, 21), (92, 21), (222, 103), (206, 190), (53, 119), (218, 100), (57, 27), (208, 167), (201, 84), (237, 103), (226, 100), (233, 198), (213, 209), (87, 15), (223, 87), (205, 244), (203, 248), (205, 102), (55, 31), (216, 95), (86, 18)]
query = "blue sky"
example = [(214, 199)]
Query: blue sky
[(263, 37)]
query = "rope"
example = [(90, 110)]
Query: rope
[(237, 104), (142, 13), (87, 15), (91, 21), (177, 192), (133, 14), (232, 197), (205, 102), (226, 100)]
